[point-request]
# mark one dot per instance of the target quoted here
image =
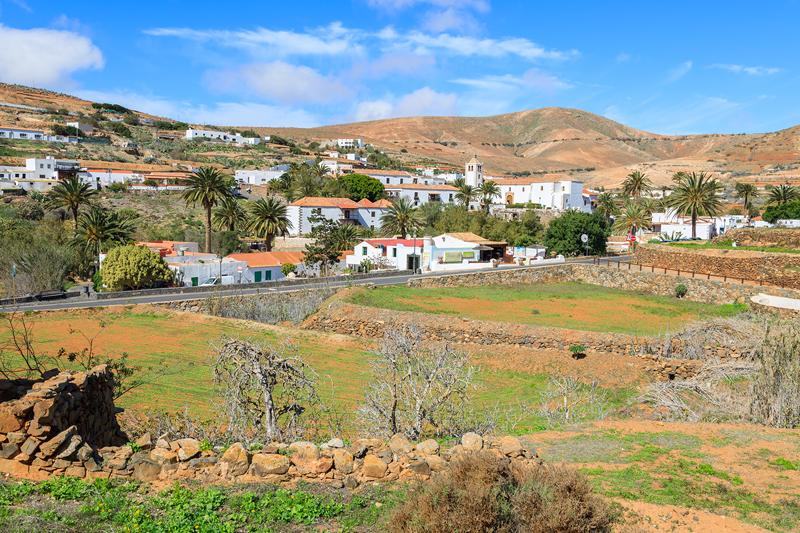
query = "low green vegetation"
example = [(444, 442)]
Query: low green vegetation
[(728, 245), (569, 305), (61, 503)]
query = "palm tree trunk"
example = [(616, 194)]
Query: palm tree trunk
[(75, 219), (268, 242), (208, 229), (694, 224)]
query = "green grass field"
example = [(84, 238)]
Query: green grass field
[(728, 245), (174, 353), (569, 305)]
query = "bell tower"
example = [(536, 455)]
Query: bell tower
[(473, 172)]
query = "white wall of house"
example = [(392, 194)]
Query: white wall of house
[(190, 271), (257, 177), (350, 143), (394, 179), (422, 195), (299, 217), (223, 136), (559, 195), (370, 217), (394, 256)]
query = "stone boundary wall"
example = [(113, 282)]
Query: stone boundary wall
[(66, 425), (369, 322), (774, 268), (783, 237), (699, 290)]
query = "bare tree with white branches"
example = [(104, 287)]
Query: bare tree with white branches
[(417, 386), (266, 389)]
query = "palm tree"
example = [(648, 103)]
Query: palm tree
[(100, 227), (401, 218), (695, 195), (488, 191), (229, 215), (268, 219), (346, 236), (636, 184), (747, 192), (318, 170), (783, 194), (606, 205), (633, 217), (208, 187), (466, 194), (71, 193), (306, 184)]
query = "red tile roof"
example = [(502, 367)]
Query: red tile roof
[(378, 204), (318, 201), (268, 259), (394, 242)]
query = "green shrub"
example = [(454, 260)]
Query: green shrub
[(288, 268), (577, 349), (134, 267), (680, 290), (481, 492)]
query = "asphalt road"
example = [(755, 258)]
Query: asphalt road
[(84, 303)]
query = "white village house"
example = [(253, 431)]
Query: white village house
[(400, 177), (349, 144), (419, 194), (40, 174), (23, 134), (551, 191), (679, 227), (344, 210), (260, 177), (223, 136), (397, 254), (266, 266)]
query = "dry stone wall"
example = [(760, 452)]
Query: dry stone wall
[(783, 237), (774, 268), (624, 277), (42, 435)]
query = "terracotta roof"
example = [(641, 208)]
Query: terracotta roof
[(268, 259), (386, 172), (318, 201), (421, 187), (471, 237), (379, 204), (545, 178)]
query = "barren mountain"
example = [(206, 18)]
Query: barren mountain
[(598, 150)]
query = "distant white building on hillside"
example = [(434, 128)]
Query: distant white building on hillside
[(550, 191), (40, 174), (223, 136), (22, 134), (350, 144), (258, 177), (401, 177)]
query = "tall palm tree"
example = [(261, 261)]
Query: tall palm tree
[(401, 218), (346, 236), (229, 215), (636, 184), (466, 194), (71, 193), (306, 183), (318, 170), (696, 194), (747, 192), (207, 186), (99, 227), (488, 191), (268, 219), (633, 217), (606, 205), (783, 194)]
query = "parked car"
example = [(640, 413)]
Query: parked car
[(224, 280)]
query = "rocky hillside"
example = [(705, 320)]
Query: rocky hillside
[(593, 148)]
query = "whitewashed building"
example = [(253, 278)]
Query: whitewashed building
[(83, 127), (460, 251), (40, 174), (34, 135), (350, 144), (343, 210), (266, 266), (258, 177), (400, 177), (397, 254), (223, 136), (679, 227), (419, 194), (551, 191)]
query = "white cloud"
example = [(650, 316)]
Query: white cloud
[(749, 70), (422, 102), (219, 113), (333, 39), (45, 57), (281, 82), (473, 46), (396, 5), (532, 80), (393, 64), (679, 72)]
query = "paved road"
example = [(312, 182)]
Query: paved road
[(82, 303)]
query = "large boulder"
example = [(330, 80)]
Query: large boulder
[(237, 459), (188, 449), (471, 442), (428, 447), (343, 461), (510, 446), (264, 464), (373, 467), (399, 444)]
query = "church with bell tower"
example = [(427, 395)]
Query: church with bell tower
[(473, 172)]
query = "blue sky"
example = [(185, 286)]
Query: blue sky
[(667, 67)]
